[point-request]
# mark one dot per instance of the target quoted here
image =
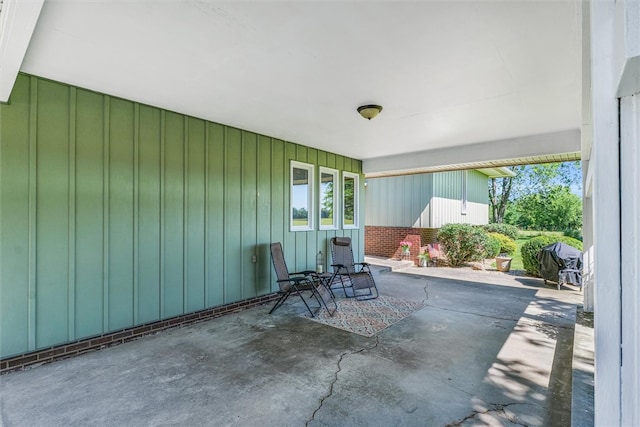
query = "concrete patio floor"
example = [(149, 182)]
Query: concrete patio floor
[(487, 349)]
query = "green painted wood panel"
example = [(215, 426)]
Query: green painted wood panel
[(232, 215), (121, 227), (477, 187), (148, 216), (264, 219), (15, 298), (52, 213), (173, 217), (89, 218), (115, 214), (279, 198), (195, 214), (248, 214), (215, 215)]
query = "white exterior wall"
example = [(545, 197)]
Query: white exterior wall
[(614, 175), (447, 211)]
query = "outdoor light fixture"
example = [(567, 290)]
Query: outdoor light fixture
[(369, 111)]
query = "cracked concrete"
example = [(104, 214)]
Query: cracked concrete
[(337, 373), (481, 339)]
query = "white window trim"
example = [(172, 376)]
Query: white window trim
[(356, 198), (336, 198), (310, 196)]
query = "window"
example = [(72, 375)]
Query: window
[(301, 218), (328, 198), (350, 200)]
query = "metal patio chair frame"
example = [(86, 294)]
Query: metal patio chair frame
[(296, 283), (353, 275)]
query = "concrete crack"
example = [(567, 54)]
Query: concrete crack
[(541, 322), (426, 292), (337, 373), (498, 408)]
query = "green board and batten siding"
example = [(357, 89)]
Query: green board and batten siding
[(426, 200), (115, 214)]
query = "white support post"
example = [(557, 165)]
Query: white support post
[(606, 210), (630, 257)]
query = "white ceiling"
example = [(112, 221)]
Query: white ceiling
[(448, 73)]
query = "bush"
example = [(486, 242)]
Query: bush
[(507, 244), (530, 250), (506, 229), (492, 246), (575, 234), (462, 243)]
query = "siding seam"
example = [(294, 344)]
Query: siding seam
[(136, 212), (105, 213)]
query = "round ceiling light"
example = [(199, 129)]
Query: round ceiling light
[(369, 111)]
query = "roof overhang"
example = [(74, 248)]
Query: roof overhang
[(552, 147), (17, 22)]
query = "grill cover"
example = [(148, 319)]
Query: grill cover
[(561, 263)]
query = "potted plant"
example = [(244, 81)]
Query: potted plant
[(423, 259), (503, 262), (406, 247)]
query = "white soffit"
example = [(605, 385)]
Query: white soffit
[(509, 152), (448, 73), (17, 23)]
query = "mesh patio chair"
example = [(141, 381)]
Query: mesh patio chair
[(353, 275), (296, 283)]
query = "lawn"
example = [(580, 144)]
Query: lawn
[(523, 237)]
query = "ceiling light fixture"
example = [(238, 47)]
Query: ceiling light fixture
[(369, 111)]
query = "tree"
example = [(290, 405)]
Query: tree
[(554, 208), (327, 201), (499, 193), (530, 179)]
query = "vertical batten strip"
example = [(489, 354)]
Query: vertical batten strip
[(225, 142), (242, 202), (162, 252), (185, 214), (206, 216), (71, 289), (105, 213), (33, 159), (136, 212)]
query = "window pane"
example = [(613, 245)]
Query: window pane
[(300, 197), (328, 199), (350, 197), (302, 194)]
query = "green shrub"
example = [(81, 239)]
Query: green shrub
[(575, 234), (506, 229), (507, 244), (462, 243), (530, 249), (492, 246)]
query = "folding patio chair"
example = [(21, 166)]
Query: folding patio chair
[(354, 275), (296, 283)]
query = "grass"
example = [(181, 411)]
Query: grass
[(523, 237)]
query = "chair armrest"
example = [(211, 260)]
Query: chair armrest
[(302, 273), (293, 279)]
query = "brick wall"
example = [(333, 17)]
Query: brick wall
[(384, 241), (76, 348)]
